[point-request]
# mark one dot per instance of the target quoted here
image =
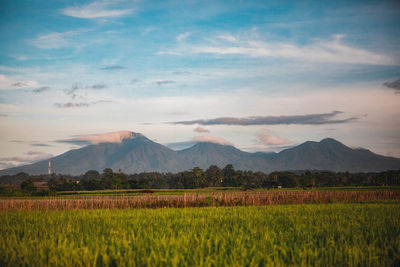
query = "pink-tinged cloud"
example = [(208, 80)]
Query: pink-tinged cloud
[(266, 137), (113, 137), (212, 139), (201, 130)]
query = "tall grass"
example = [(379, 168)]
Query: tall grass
[(199, 200), (317, 235)]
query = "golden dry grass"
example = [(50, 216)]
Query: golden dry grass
[(200, 200)]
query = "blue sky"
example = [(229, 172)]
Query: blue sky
[(280, 70)]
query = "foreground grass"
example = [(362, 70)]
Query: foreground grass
[(315, 234)]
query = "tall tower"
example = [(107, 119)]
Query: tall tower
[(49, 167)]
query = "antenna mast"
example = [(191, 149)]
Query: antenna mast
[(49, 167)]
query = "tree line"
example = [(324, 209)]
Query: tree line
[(212, 177)]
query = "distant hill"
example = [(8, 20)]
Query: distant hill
[(205, 154), (140, 154), (330, 154)]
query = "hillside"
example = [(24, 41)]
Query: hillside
[(140, 154)]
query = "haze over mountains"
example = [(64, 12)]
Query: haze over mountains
[(135, 153)]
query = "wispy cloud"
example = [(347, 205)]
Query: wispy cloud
[(100, 102), (52, 40), (393, 85), (76, 87), (228, 37), (19, 84), (41, 89), (182, 36), (71, 105), (10, 83), (164, 82), (172, 53), (309, 119), (148, 30), (29, 157), (56, 40), (20, 57), (133, 81), (97, 86), (97, 9), (333, 50), (41, 145), (201, 130), (113, 67), (31, 143), (72, 91), (178, 72), (196, 140)]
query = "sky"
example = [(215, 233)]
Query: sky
[(259, 75)]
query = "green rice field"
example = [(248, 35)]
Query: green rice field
[(351, 234)]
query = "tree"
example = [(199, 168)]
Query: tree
[(307, 179), (107, 178), (122, 179), (214, 175), (108, 173), (199, 177), (92, 174), (286, 179), (229, 175), (92, 184), (247, 180), (27, 186)]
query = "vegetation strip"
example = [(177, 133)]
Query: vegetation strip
[(200, 200), (196, 178), (290, 235)]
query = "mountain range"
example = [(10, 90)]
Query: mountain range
[(139, 154)]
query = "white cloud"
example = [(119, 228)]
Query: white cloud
[(97, 9), (266, 137), (333, 50), (10, 83), (182, 36), (212, 139), (228, 37)]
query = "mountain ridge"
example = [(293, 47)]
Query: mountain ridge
[(137, 153)]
